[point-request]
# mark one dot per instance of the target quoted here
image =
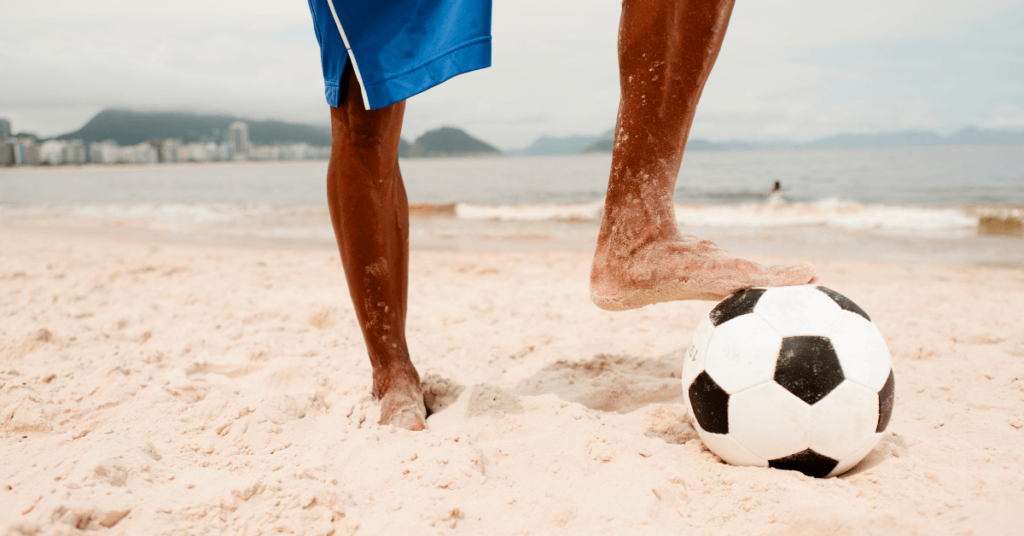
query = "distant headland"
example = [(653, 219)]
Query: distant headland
[(446, 142), (550, 145), (119, 136), (130, 127)]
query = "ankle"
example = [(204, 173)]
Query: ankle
[(622, 238), (402, 376)]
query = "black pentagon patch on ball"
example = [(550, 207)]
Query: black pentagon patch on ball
[(710, 404), (885, 397), (808, 367), (807, 462), (741, 303), (844, 302)]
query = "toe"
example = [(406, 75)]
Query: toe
[(408, 420), (403, 410), (801, 274), (405, 418), (784, 276), (809, 270)]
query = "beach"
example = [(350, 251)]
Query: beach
[(152, 384)]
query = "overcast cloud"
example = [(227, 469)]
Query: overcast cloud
[(789, 68)]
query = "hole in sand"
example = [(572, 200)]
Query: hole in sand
[(612, 383), (439, 392)]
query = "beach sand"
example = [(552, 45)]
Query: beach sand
[(157, 387)]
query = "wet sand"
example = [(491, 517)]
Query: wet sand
[(994, 243)]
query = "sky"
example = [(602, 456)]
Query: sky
[(793, 69)]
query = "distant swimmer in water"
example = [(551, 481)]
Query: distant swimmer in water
[(377, 54), (775, 195)]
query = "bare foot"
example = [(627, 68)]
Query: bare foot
[(402, 405), (680, 267)]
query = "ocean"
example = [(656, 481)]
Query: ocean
[(960, 205)]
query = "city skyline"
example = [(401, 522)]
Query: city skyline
[(23, 149), (791, 69), (20, 148)]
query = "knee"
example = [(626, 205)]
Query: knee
[(365, 131), (361, 138), (365, 147), (363, 161), (375, 153)]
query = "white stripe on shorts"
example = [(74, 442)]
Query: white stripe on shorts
[(351, 57)]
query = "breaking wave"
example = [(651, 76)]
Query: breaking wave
[(536, 212), (829, 213)]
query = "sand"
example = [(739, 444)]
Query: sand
[(170, 388)]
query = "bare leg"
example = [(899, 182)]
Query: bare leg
[(666, 51), (370, 214)]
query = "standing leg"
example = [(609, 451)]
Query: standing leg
[(370, 214), (666, 51)]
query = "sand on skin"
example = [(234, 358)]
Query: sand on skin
[(161, 388)]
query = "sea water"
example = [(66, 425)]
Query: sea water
[(907, 204)]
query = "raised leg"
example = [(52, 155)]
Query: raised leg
[(370, 214), (666, 51)]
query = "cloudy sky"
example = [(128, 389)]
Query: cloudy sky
[(796, 69)]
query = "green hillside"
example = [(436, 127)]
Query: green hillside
[(128, 127), (448, 141)]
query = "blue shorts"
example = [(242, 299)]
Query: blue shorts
[(399, 48)]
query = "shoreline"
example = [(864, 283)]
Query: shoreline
[(436, 228)]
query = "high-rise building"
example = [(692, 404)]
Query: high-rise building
[(5, 129), (6, 153), (238, 140), (167, 150), (53, 152), (104, 152), (26, 151), (75, 154)]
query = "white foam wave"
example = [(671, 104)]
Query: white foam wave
[(829, 213), (538, 212)]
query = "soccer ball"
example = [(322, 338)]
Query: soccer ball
[(793, 378)]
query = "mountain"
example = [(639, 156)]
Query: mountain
[(982, 136), (922, 138), (605, 146), (547, 145), (698, 144), (129, 127), (764, 143), (905, 138), (902, 138), (448, 141)]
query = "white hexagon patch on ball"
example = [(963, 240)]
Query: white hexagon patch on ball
[(794, 378)]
